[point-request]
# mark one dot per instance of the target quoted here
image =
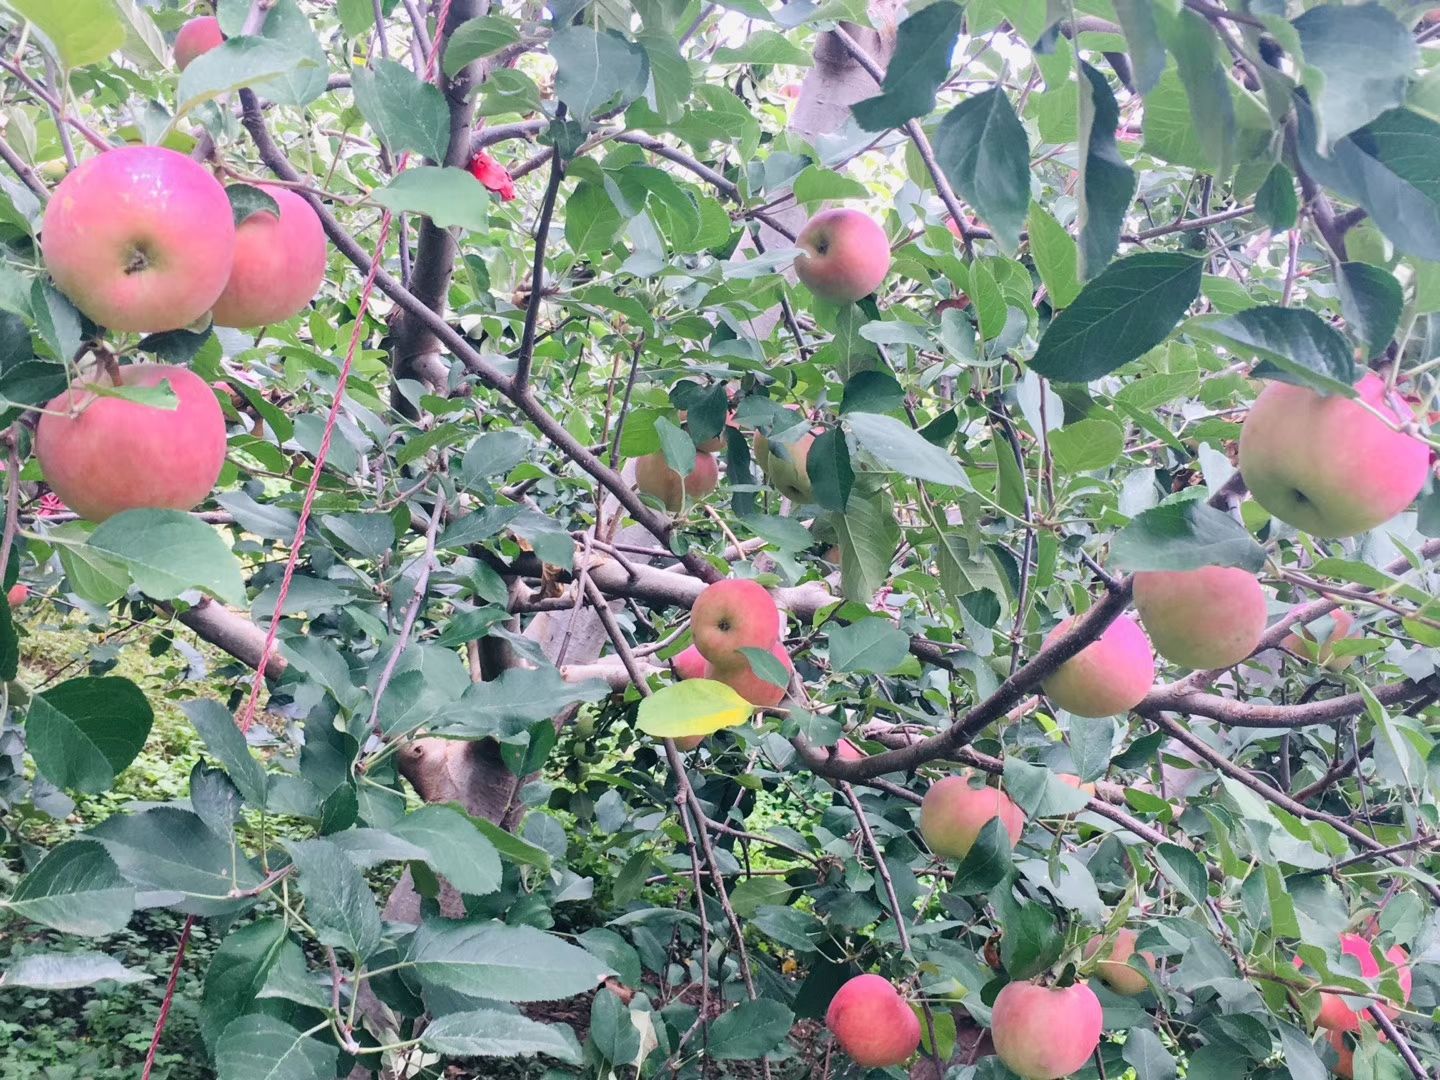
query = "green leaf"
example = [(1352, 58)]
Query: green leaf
[(750, 1030), (1358, 59), (81, 32), (1372, 301), (869, 646), (68, 971), (816, 184), (677, 446), (75, 889), (596, 69), (1391, 167), (828, 467), (1276, 203), (1086, 445), (168, 552), (902, 449), (924, 43), (446, 195), (238, 971), (1107, 184), (1120, 315), (357, 17), (227, 745), (246, 200), (871, 391), (1032, 940), (258, 1047), (520, 696), (692, 707), (1147, 1055), (795, 929), (766, 47), (494, 453), (984, 152), (1293, 345), (238, 63), (338, 902), (167, 850), (502, 963), (987, 863), (1203, 68), (1147, 52), (455, 848), (476, 39), (406, 113), (1056, 257), (869, 535), (84, 732), (1184, 870), (490, 1033), (1185, 536), (591, 219)]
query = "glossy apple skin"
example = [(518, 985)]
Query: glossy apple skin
[(140, 238), (844, 255), (654, 476), (741, 678), (872, 1023), (1044, 1033), (732, 615), (1115, 970), (195, 37), (785, 466), (689, 664), (1324, 464), (1301, 642), (953, 813), (1338, 1016), (1110, 675), (120, 455), (278, 267), (1212, 617)]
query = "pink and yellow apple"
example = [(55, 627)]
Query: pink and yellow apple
[(844, 255), (689, 664), (1302, 642), (279, 264), (872, 1023), (195, 37), (1114, 969), (1110, 675), (1327, 466), (954, 811), (731, 615), (140, 238), (103, 455), (655, 477), (1207, 618), (785, 465), (1044, 1033)]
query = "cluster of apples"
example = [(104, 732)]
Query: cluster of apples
[(726, 618)]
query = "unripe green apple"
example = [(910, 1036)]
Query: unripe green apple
[(1207, 618), (1327, 466), (784, 465)]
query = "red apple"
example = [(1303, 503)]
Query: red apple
[(1110, 675), (689, 664), (112, 455), (1302, 642), (1044, 1033), (844, 255), (955, 810), (872, 1023), (846, 750), (140, 238), (654, 476), (195, 37), (1074, 781), (1207, 618), (19, 593), (741, 678), (1114, 969), (732, 615), (279, 264), (1324, 464)]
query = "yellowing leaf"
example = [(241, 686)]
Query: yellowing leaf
[(692, 707)]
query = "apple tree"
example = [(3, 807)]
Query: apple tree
[(747, 539)]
